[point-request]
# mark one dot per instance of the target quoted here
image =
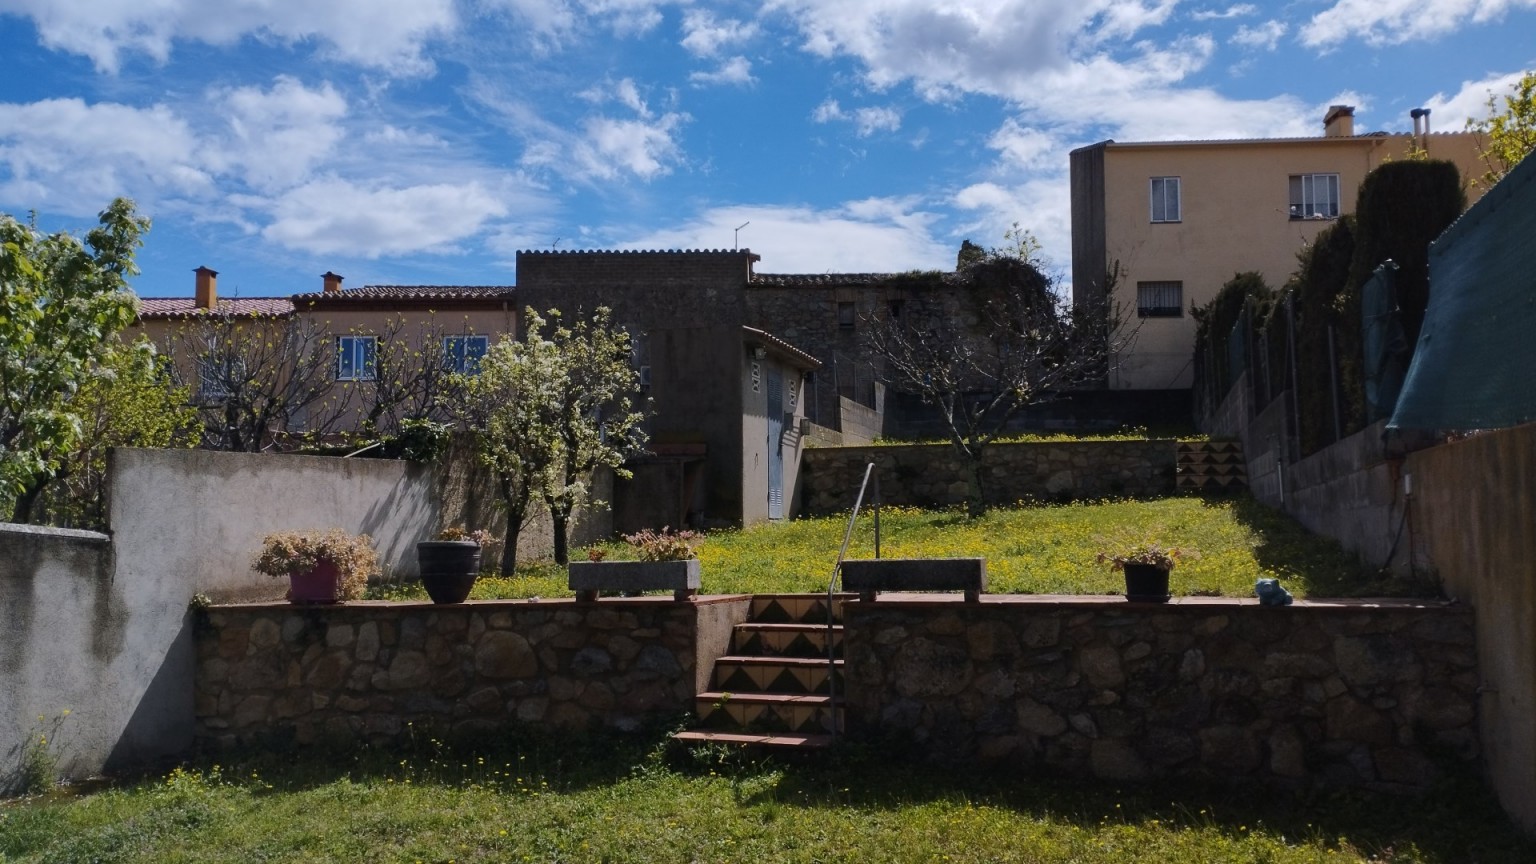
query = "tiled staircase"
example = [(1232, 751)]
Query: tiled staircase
[(774, 687), (1211, 466)]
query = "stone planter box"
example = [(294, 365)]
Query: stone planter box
[(590, 578), (869, 576)]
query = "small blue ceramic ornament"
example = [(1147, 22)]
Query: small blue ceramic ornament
[(1271, 594)]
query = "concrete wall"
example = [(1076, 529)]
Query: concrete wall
[(861, 425), (926, 475), (363, 671), (1319, 693), (1473, 521), (101, 627), (65, 637)]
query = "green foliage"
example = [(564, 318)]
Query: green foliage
[(527, 795), (39, 765), (597, 422), (130, 399), (1402, 207), (1322, 301), (62, 304), (1213, 328), (1029, 550), (547, 411), (1510, 134)]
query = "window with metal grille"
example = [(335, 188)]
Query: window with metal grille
[(1160, 299), (1314, 196), (1166, 204)]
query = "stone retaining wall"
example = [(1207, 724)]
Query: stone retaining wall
[(362, 671), (933, 475), (1345, 693)]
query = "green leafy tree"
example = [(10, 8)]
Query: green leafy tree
[(596, 418), (984, 354), (1510, 135), (130, 399), (62, 304), (509, 406)]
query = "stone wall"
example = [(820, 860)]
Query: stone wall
[(1347, 693), (930, 475), (362, 671)]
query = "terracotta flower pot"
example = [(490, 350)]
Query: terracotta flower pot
[(320, 585)]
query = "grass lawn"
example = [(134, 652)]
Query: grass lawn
[(1029, 550), (611, 799)]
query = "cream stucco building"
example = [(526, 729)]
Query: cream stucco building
[(1180, 218)]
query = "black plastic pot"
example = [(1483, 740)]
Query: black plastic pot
[(448, 568), (1146, 583)]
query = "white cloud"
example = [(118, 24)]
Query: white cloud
[(878, 234), (1451, 113), (972, 46), (736, 70), (277, 136), (706, 35), (1387, 22), (1026, 148), (383, 34), (68, 156), (331, 216), (643, 147), (552, 23), (1237, 11), (866, 121), (828, 111), (1265, 36)]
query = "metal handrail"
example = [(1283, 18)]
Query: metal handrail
[(842, 553)]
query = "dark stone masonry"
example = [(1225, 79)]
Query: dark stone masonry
[(934, 475), (1338, 693), (362, 671)]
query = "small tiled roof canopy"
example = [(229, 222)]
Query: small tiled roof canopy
[(795, 356)]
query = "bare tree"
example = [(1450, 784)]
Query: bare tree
[(1001, 342), (412, 378), (258, 376)]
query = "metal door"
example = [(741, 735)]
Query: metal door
[(775, 414)]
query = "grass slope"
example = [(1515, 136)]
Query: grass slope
[(1029, 550), (611, 799)]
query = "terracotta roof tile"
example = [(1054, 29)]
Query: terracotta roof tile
[(186, 307), (410, 292)]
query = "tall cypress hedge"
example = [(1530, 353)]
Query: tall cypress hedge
[(1321, 301), (1402, 207)]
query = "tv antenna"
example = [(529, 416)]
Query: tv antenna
[(738, 233)]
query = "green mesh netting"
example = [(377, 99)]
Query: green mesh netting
[(1475, 364)]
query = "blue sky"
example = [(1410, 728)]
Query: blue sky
[(426, 141)]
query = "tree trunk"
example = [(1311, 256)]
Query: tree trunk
[(22, 513), (561, 522), (975, 494), (517, 510)]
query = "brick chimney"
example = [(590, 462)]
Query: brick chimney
[(332, 282), (207, 294), (1339, 122)]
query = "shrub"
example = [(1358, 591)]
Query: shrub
[(665, 545), (287, 552)]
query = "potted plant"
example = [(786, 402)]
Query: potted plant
[(1146, 565), (668, 560), (450, 564), (322, 566)]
